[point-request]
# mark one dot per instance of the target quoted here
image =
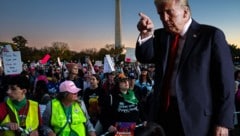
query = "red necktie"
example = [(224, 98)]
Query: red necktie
[(169, 72)]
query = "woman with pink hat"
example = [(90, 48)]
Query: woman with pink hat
[(65, 115)]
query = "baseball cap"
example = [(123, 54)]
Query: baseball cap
[(121, 77), (144, 69), (68, 86), (131, 75)]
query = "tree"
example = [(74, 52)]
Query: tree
[(235, 53), (116, 53), (58, 49), (20, 42)]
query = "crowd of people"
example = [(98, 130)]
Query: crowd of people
[(183, 87), (75, 99)]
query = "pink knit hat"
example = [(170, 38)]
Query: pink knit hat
[(42, 77), (68, 86)]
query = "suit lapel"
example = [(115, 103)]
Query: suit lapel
[(162, 48), (166, 49), (190, 41)]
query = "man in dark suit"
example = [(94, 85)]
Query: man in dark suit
[(200, 87)]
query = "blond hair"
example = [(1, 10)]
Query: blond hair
[(181, 2)]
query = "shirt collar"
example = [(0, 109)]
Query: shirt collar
[(186, 26)]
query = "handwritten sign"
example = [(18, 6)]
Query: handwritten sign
[(12, 62)]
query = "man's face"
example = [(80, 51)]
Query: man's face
[(173, 16), (16, 93), (124, 85)]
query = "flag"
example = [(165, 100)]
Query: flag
[(45, 59)]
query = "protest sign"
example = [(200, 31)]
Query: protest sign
[(130, 55), (12, 62), (108, 64)]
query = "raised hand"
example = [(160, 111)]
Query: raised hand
[(145, 25)]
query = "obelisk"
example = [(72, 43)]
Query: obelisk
[(118, 27)]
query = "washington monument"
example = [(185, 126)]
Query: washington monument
[(118, 25)]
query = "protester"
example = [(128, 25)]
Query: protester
[(90, 98), (109, 84), (65, 115), (53, 84), (17, 111), (237, 80), (143, 90), (237, 95), (151, 71), (132, 80), (3, 85), (145, 83), (73, 75), (194, 91), (41, 95), (33, 74), (86, 80), (123, 106), (105, 100)]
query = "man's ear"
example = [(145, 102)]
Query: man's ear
[(186, 12), (24, 91)]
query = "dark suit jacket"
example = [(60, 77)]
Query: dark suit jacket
[(204, 80)]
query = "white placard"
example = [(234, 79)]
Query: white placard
[(98, 63), (7, 48), (12, 62), (59, 62), (108, 64), (130, 55)]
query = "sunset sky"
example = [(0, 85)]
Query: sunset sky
[(84, 24)]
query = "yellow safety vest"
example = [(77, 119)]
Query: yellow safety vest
[(75, 123), (32, 121)]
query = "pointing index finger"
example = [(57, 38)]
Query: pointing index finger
[(143, 16)]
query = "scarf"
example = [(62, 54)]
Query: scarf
[(19, 104), (130, 97)]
